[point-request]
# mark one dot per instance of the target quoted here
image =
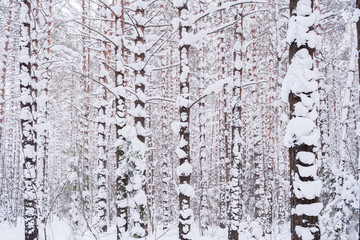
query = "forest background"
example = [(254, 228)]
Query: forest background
[(142, 118)]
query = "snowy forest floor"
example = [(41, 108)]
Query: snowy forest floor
[(60, 230)]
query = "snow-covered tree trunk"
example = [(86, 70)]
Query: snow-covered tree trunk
[(257, 129), (302, 135), (102, 171), (204, 161), (235, 206), (224, 133), (85, 79), (358, 118), (165, 168), (27, 103), (222, 163), (204, 165), (141, 221), (150, 177), (358, 35), (36, 36), (186, 191), (122, 222)]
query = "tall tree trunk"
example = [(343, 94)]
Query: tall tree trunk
[(204, 165), (140, 113), (358, 56), (358, 36), (302, 135), (186, 191), (256, 132), (204, 162), (85, 75), (84, 185), (102, 195), (223, 131), (28, 105), (165, 170), (235, 206), (122, 221)]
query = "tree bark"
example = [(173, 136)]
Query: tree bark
[(183, 150), (28, 104), (122, 218), (140, 112), (358, 48), (102, 197), (302, 220), (235, 206)]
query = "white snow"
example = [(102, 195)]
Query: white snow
[(306, 157), (299, 26), (179, 3), (304, 233), (180, 153), (301, 77), (301, 130), (175, 127), (307, 171), (128, 132), (356, 15), (60, 230), (217, 86), (307, 189), (184, 169), (186, 189), (309, 209)]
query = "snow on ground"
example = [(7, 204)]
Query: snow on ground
[(60, 230), (11, 233)]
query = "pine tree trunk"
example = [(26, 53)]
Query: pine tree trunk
[(235, 206), (224, 129), (358, 61), (140, 112), (122, 221), (102, 195), (28, 105), (84, 185), (165, 170), (204, 162), (304, 202), (183, 151), (358, 37), (204, 218)]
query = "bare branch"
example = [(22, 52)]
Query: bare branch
[(111, 41)]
